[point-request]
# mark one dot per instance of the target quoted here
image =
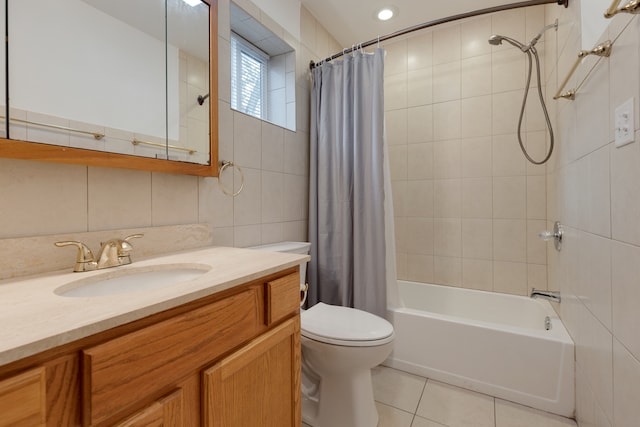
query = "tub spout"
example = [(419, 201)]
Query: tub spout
[(550, 295)]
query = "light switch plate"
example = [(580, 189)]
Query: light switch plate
[(624, 123)]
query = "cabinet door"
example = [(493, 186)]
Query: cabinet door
[(259, 385), (166, 412), (22, 399)]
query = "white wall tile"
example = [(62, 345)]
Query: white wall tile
[(626, 379), (476, 116), (420, 50), (52, 198), (419, 161), (272, 194), (475, 76), (446, 82), (272, 147), (447, 237), (625, 194), (476, 157), (536, 197), (420, 124), (509, 197), (174, 199), (446, 44), (419, 87), (477, 274), (421, 202), (420, 268), (419, 236), (447, 120), (510, 277), (447, 271), (247, 207), (118, 198), (396, 127), (509, 240), (447, 198), (395, 61), (477, 198), (507, 156), (625, 267), (395, 92), (506, 112), (477, 239), (508, 69), (247, 141), (599, 199), (446, 159), (473, 36)]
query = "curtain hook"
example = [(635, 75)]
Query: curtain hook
[(353, 49), (378, 41)]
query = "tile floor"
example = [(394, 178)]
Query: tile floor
[(406, 400)]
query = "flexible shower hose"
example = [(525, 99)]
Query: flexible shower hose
[(544, 108)]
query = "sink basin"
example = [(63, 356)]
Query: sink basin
[(114, 282)]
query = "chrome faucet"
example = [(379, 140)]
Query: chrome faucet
[(113, 252), (550, 295)]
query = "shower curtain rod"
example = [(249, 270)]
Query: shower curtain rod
[(433, 23)]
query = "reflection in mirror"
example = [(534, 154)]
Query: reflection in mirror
[(262, 71), (111, 75)]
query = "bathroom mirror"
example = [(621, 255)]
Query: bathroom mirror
[(262, 71), (113, 83)]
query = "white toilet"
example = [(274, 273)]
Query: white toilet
[(340, 345)]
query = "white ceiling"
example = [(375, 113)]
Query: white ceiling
[(354, 21)]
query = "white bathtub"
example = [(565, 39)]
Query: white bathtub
[(492, 343)]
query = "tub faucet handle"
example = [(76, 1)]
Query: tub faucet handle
[(555, 235)]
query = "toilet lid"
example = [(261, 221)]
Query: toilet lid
[(344, 326)]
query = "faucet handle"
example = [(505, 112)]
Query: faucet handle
[(125, 246), (84, 258), (133, 236)]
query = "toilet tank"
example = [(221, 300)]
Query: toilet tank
[(292, 248)]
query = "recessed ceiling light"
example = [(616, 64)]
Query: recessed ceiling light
[(385, 14), (192, 3)]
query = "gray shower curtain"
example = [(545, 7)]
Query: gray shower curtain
[(346, 197)]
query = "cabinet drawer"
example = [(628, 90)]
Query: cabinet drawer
[(283, 297), (22, 399), (127, 370)]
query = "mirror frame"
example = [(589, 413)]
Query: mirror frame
[(24, 150)]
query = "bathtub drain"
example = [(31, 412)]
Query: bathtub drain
[(547, 323)]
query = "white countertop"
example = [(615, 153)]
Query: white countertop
[(34, 319)]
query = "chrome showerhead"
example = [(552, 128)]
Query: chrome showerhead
[(497, 40)]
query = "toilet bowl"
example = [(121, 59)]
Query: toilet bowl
[(340, 345)]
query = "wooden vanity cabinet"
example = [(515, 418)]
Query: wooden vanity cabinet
[(228, 360), (22, 399)]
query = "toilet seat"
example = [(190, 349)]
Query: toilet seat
[(345, 326)]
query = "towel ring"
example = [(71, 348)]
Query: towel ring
[(224, 165)]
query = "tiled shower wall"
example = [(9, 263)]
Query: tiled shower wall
[(468, 206), (594, 190)]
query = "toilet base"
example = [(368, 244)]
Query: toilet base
[(341, 404)]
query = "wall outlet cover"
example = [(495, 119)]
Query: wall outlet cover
[(624, 123)]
